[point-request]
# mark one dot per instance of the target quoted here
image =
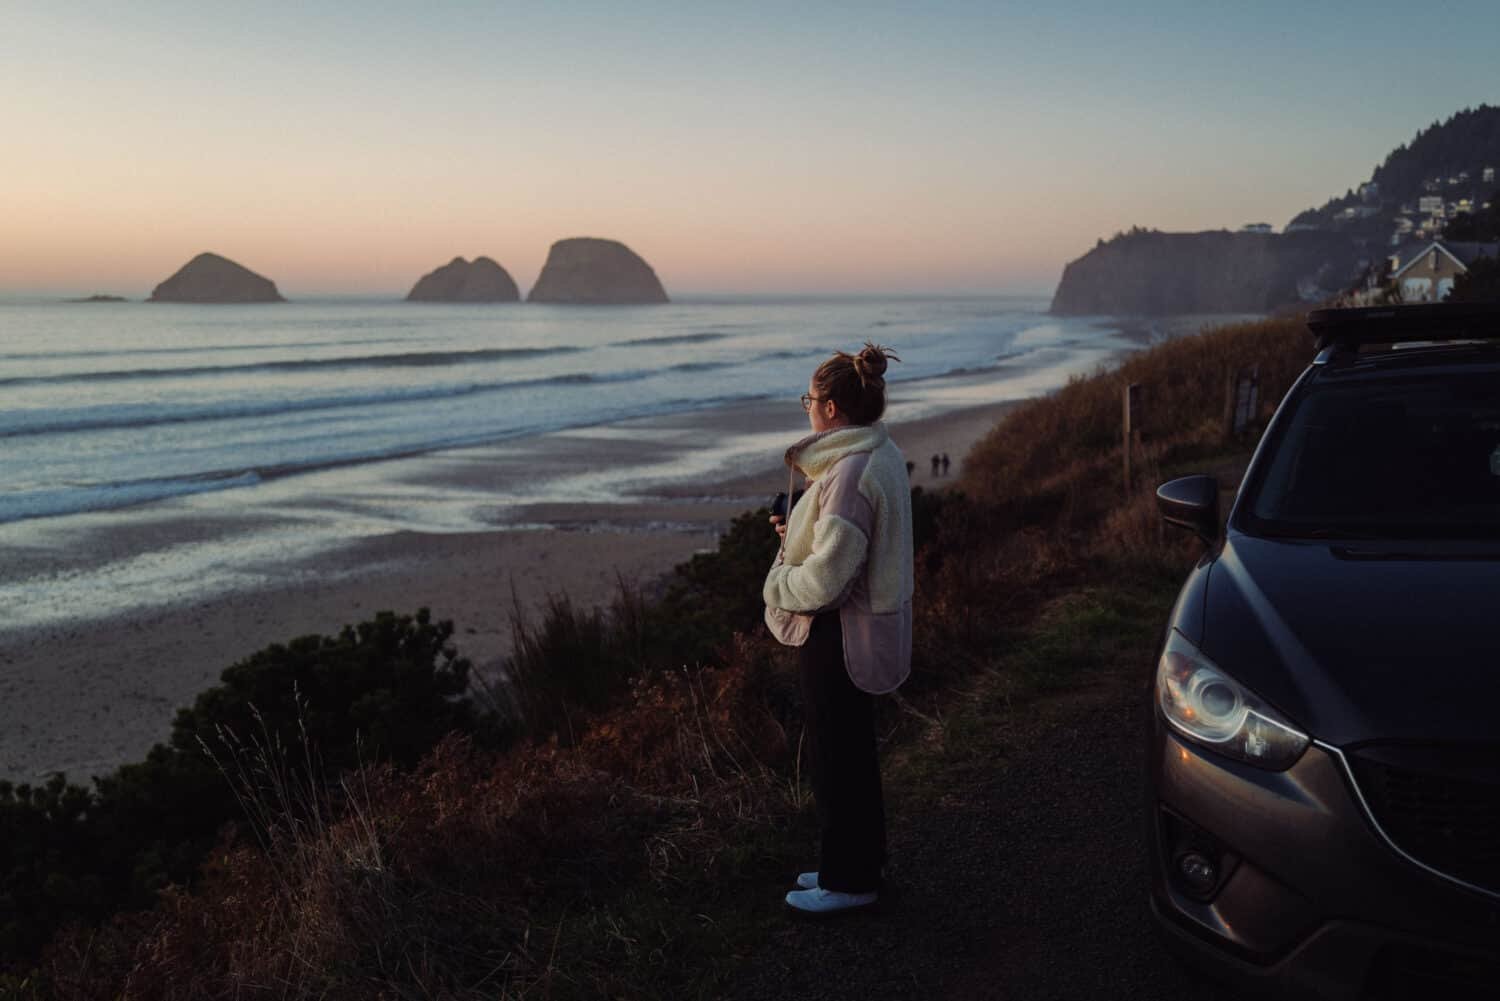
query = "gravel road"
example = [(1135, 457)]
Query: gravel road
[(1027, 885)]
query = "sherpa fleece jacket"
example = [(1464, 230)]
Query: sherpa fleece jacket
[(849, 546)]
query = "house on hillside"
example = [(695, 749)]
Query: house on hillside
[(1425, 272), (1488, 176), (1256, 227)]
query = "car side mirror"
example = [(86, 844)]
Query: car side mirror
[(1191, 502)]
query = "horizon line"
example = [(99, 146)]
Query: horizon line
[(56, 295)]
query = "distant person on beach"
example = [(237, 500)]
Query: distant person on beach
[(945, 463), (937, 462), (840, 591)]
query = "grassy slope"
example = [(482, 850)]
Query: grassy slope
[(641, 855)]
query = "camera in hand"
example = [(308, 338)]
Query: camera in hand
[(780, 508)]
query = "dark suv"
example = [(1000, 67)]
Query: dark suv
[(1324, 754)]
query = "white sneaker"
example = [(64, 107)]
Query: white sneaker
[(821, 901), (808, 880)]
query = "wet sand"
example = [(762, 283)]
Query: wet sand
[(85, 695)]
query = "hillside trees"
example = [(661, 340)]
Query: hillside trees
[(1481, 283)]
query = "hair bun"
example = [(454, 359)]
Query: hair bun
[(871, 362)]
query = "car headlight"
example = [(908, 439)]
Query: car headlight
[(1205, 705)]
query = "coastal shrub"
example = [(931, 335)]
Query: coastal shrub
[(713, 595), (572, 662), (42, 829), (1184, 384), (386, 690), (1480, 283), (394, 681)]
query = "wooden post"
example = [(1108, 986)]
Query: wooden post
[(1247, 398), (1231, 385), (1241, 400), (1132, 415)]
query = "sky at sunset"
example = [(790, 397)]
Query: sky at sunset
[(344, 148)]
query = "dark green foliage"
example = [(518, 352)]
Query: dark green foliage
[(1480, 227), (42, 829), (394, 681), (927, 513), (1481, 283), (1467, 141), (714, 595), (575, 661), (386, 690)]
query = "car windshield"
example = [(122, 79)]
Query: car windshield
[(1394, 458)]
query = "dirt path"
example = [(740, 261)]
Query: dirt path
[(1029, 884)]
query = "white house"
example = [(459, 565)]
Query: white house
[(1488, 176), (1430, 205)]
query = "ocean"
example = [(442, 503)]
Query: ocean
[(114, 414)]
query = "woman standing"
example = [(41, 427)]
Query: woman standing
[(840, 591)]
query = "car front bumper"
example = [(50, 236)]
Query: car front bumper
[(1311, 902)]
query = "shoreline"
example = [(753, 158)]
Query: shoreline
[(83, 697)]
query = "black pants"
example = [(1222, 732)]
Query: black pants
[(844, 765)]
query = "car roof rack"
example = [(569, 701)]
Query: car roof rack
[(1347, 329)]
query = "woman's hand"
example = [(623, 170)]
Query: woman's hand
[(779, 524)]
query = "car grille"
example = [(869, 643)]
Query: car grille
[(1441, 806)]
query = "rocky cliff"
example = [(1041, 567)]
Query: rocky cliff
[(587, 270), (211, 278), (1152, 273), (462, 281)]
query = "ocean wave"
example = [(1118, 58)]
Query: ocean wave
[(199, 349), (80, 498), (21, 423), (702, 337), (109, 418), (86, 497), (109, 496), (423, 359), (699, 366)]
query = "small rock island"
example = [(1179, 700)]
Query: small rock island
[(100, 297), (596, 272), (462, 281), (209, 278)]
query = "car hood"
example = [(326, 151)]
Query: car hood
[(1359, 641)]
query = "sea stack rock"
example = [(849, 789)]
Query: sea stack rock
[(597, 272), (461, 281), (211, 278)]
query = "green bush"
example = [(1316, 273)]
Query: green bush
[(713, 595), (386, 690)]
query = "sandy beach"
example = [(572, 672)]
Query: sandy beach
[(86, 695)]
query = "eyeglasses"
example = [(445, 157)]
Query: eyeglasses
[(809, 399)]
